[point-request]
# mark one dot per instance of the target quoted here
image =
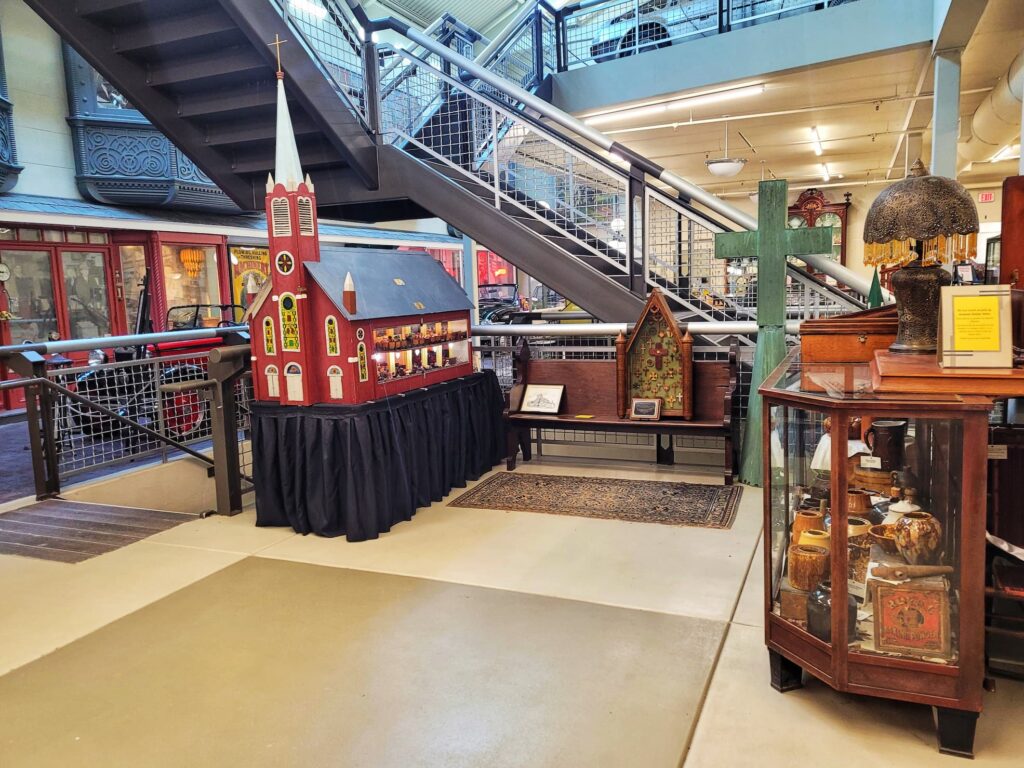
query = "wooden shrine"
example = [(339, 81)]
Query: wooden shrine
[(656, 362)]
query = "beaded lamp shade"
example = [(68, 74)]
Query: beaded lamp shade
[(192, 259), (932, 212)]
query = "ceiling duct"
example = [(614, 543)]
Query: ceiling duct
[(997, 121)]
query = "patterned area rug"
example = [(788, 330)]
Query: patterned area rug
[(638, 501)]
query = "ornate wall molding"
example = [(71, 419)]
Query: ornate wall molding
[(9, 168), (120, 158)]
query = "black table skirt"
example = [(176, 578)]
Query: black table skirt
[(355, 471)]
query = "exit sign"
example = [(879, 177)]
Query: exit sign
[(986, 197)]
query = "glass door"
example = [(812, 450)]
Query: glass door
[(87, 294), (31, 300)]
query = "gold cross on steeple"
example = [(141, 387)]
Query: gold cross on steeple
[(278, 42)]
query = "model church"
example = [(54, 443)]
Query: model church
[(346, 325)]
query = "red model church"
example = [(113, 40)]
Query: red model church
[(346, 325)]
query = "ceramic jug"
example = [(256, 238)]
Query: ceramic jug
[(886, 438)]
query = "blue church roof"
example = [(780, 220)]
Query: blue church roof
[(388, 283)]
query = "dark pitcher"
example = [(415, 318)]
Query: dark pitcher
[(886, 440)]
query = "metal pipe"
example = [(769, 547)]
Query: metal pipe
[(225, 354), (502, 37), (108, 342), (702, 328), (862, 285)]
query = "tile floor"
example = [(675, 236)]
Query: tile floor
[(704, 574)]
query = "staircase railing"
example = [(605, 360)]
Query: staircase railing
[(492, 132)]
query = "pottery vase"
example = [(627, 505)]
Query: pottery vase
[(919, 538), (807, 566), (807, 520)]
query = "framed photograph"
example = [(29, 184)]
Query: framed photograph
[(645, 409), (965, 274), (542, 398)]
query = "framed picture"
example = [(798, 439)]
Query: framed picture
[(542, 398), (645, 409), (965, 274)]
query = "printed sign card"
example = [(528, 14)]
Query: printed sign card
[(975, 327)]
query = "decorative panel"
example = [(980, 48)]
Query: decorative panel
[(9, 168), (120, 158)]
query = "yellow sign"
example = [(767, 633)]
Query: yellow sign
[(250, 269), (976, 323)]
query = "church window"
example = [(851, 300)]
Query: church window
[(306, 216), (269, 342), (364, 366), (285, 262), (289, 310), (331, 332), (281, 217)]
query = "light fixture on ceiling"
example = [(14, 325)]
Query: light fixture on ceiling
[(1009, 152), (725, 167), (816, 141), (825, 175), (689, 102), (308, 6)]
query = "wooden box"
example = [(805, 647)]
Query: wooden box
[(849, 338), (913, 617)]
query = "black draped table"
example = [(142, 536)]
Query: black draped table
[(356, 470)]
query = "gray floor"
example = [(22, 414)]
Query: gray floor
[(362, 669)]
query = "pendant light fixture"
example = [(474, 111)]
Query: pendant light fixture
[(725, 167)]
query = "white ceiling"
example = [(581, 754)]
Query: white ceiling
[(860, 108)]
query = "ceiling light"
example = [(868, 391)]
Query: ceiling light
[(1009, 152), (700, 99), (825, 175), (314, 10), (725, 167), (816, 140)]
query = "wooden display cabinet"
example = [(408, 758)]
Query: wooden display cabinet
[(920, 640)]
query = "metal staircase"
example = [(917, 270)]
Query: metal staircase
[(389, 133)]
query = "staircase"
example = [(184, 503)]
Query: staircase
[(391, 134)]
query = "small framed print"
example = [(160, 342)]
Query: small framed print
[(645, 409), (542, 398)]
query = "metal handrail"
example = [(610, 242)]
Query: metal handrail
[(697, 328), (108, 342)]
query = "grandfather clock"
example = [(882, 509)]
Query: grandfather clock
[(813, 210)]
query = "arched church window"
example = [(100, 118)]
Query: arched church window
[(273, 382), (293, 381), (306, 216), (281, 219), (334, 379)]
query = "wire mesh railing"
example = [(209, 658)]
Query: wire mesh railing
[(596, 32)]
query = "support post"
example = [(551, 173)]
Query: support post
[(39, 409), (371, 90), (561, 46), (538, 46), (636, 235), (226, 365), (946, 113)]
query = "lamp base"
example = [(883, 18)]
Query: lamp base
[(917, 291)]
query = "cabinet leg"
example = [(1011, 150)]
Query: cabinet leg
[(786, 676), (955, 729), (525, 444), (665, 454)]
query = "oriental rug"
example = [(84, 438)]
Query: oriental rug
[(637, 501)]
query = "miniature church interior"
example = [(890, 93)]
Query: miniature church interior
[(497, 413)]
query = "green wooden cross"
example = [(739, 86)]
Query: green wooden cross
[(770, 244)]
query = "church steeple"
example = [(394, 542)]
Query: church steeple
[(287, 168)]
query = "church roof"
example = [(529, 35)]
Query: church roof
[(388, 283)]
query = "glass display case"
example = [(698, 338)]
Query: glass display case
[(408, 350), (875, 535)]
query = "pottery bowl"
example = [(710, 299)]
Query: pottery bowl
[(885, 537)]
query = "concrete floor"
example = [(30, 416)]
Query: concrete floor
[(478, 583)]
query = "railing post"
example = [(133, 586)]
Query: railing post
[(226, 365), (538, 46), (39, 408), (494, 158), (636, 26), (636, 232), (561, 44), (371, 90), (724, 15)]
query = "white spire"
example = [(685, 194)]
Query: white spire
[(350, 284), (287, 169)]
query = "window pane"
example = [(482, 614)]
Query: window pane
[(85, 282), (76, 237), (190, 278), (30, 293), (29, 234), (6, 233), (53, 236), (98, 238), (133, 270)]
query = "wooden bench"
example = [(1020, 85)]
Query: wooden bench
[(590, 389)]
